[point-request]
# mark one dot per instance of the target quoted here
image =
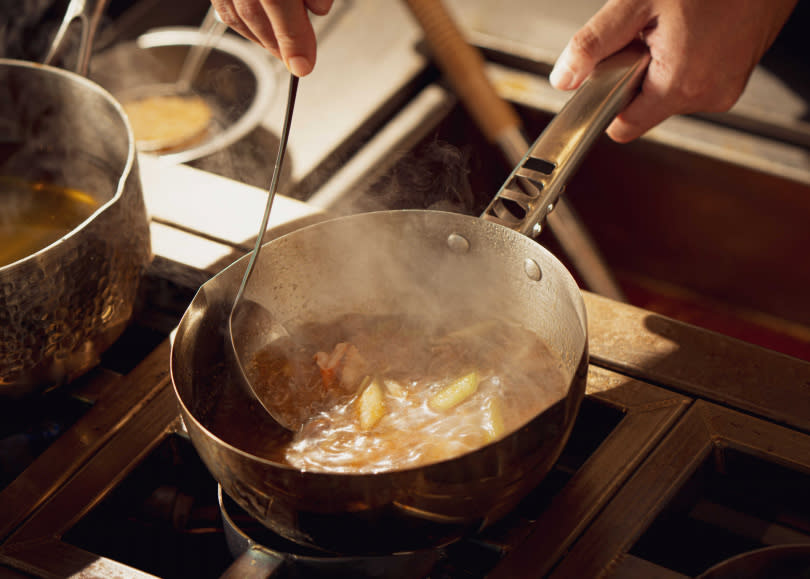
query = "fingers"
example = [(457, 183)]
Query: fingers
[(229, 15), (676, 84), (613, 27), (281, 26), (319, 7), (642, 114), (291, 35), (702, 54)]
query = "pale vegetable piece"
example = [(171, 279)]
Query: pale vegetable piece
[(394, 388), (492, 419), (455, 393), (370, 405)]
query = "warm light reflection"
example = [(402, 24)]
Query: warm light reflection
[(182, 247)]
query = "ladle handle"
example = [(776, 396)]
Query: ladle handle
[(533, 188), (88, 13), (271, 192)]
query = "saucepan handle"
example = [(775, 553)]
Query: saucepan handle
[(88, 13), (531, 191)]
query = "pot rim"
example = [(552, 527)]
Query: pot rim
[(126, 171)]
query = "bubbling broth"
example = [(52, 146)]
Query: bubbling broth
[(379, 393), (33, 215)]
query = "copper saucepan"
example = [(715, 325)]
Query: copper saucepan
[(356, 264)]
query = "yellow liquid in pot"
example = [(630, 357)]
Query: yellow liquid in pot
[(33, 215)]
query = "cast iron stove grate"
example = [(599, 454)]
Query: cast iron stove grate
[(89, 492)]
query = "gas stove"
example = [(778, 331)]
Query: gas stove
[(690, 447), (654, 482)]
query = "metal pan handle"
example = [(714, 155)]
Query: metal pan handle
[(88, 13), (531, 191)]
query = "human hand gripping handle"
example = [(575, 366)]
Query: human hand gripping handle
[(535, 185), (702, 53)]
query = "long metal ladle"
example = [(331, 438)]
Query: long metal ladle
[(245, 311)]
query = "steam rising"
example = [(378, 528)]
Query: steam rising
[(353, 268), (386, 268), (25, 29), (400, 265), (434, 177)]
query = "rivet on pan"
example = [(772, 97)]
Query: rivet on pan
[(458, 243), (537, 229), (532, 270)]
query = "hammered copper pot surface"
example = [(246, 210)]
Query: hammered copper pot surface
[(62, 306)]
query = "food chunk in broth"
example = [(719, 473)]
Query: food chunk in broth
[(379, 393)]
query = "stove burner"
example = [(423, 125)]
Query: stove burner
[(720, 484), (779, 562), (644, 464), (144, 485), (257, 549)]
